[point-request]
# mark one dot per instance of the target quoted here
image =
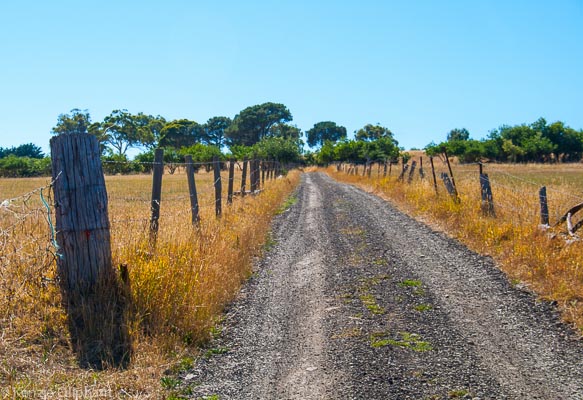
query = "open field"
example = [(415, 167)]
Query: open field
[(548, 261), (178, 291)]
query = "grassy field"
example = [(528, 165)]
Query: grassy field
[(548, 261), (178, 291)]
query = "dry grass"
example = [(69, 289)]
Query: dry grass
[(548, 261), (178, 291)]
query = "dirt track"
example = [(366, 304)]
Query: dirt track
[(358, 301)]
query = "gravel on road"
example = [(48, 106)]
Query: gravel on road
[(356, 300)]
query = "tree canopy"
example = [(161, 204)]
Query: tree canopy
[(325, 131), (373, 132), (181, 133), (214, 130), (254, 123)]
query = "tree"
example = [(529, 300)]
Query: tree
[(373, 132), (285, 131), (77, 122), (458, 134), (214, 130), (181, 133), (325, 131), (253, 123), (149, 129), (279, 148), (120, 131)]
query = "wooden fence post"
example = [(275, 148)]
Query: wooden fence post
[(544, 207), (412, 171), (263, 173), (421, 170), (192, 189), (218, 185), (433, 173), (244, 177), (231, 181), (156, 195), (449, 186), (92, 294), (385, 169), (487, 199), (403, 172), (252, 175), (451, 175)]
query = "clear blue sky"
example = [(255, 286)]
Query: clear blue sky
[(419, 68)]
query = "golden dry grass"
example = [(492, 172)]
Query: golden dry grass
[(548, 261), (178, 291)]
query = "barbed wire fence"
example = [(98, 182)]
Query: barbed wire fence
[(524, 200)]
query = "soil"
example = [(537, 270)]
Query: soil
[(356, 300)]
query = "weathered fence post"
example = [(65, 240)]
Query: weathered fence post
[(544, 207), (412, 171), (421, 170), (263, 173), (244, 177), (231, 181), (93, 296), (433, 173), (385, 169), (449, 186), (487, 199), (252, 176), (192, 189), (218, 185), (457, 197), (403, 172), (158, 171)]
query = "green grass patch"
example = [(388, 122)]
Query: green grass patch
[(423, 307), (371, 304), (410, 283), (290, 201), (215, 351), (411, 341)]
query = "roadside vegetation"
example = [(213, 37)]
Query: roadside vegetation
[(178, 290)]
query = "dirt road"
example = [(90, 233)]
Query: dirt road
[(355, 300)]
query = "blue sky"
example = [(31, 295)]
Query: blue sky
[(420, 68)]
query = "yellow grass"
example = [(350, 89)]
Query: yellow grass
[(178, 291), (548, 261)]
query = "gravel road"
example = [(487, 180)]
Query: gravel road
[(356, 300)]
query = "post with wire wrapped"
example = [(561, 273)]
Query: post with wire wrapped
[(94, 298)]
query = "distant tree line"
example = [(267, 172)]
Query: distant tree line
[(25, 160), (265, 131), (536, 142)]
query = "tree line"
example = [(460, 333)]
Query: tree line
[(535, 142), (265, 131)]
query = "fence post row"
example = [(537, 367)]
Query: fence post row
[(158, 171), (92, 294), (192, 189), (218, 185)]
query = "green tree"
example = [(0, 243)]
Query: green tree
[(121, 131), (181, 133), (325, 131), (373, 132), (458, 134), (76, 122), (285, 131), (214, 130), (279, 148), (253, 123)]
